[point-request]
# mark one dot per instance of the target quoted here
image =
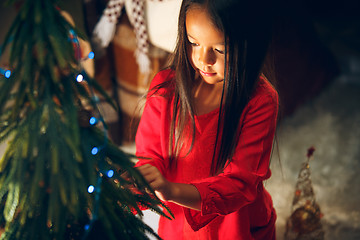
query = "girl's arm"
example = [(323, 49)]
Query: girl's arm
[(185, 195)]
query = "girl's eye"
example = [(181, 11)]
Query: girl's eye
[(220, 51), (193, 44)]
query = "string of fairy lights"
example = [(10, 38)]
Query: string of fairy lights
[(96, 150), (94, 120)]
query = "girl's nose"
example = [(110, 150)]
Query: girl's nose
[(207, 57)]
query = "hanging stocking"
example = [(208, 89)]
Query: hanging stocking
[(104, 30)]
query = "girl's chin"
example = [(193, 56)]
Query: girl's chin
[(212, 80)]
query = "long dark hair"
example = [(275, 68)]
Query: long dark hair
[(247, 28)]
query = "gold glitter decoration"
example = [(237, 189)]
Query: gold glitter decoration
[(305, 220)]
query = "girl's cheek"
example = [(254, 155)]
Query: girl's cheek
[(191, 56)]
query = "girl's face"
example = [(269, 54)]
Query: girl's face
[(206, 46)]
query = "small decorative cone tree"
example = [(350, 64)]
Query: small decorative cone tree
[(304, 222), (60, 176)]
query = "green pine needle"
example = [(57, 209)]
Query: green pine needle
[(48, 165)]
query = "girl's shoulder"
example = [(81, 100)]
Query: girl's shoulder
[(265, 89), (162, 83), (162, 77)]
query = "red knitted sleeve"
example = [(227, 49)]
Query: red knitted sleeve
[(153, 127)]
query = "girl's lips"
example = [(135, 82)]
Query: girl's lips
[(207, 74)]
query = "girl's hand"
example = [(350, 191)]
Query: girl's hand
[(156, 181), (185, 195)]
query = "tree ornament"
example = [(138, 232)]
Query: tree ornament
[(305, 220)]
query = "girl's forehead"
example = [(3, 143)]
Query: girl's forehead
[(200, 25)]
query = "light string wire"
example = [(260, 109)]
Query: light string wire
[(97, 150)]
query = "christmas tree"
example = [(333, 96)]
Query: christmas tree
[(60, 176)]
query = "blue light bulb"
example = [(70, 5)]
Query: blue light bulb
[(110, 173), (7, 73), (91, 55), (79, 78), (92, 120), (91, 189), (94, 151)]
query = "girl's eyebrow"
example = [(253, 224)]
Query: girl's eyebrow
[(221, 43)]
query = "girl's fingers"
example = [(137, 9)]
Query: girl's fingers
[(145, 167), (148, 169), (150, 173), (153, 176), (156, 181)]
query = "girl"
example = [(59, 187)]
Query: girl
[(208, 125)]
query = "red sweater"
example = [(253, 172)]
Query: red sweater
[(234, 204)]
